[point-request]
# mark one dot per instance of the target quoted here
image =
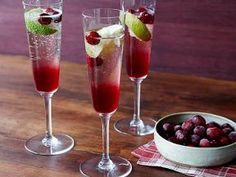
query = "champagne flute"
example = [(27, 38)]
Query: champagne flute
[(139, 20), (43, 24), (104, 34)]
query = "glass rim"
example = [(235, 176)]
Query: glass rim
[(85, 13), (36, 5)]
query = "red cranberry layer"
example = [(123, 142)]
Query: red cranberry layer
[(93, 38), (141, 9)]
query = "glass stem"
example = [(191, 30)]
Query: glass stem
[(49, 139), (48, 109), (136, 116), (105, 163)]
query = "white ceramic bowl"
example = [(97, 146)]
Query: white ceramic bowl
[(194, 156)]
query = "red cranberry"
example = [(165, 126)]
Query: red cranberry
[(195, 139), (177, 127), (199, 130), (227, 130), (198, 120), (49, 10), (226, 125), (187, 125), (212, 124), (232, 136), (224, 140), (44, 20), (168, 127), (93, 38), (181, 136), (132, 11), (214, 133), (141, 9), (204, 143), (146, 18), (214, 143)]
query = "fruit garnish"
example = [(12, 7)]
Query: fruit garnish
[(141, 9), (34, 26), (44, 19), (137, 27), (93, 38), (49, 10), (146, 18), (107, 41)]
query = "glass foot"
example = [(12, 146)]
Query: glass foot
[(144, 128), (60, 144), (121, 167)]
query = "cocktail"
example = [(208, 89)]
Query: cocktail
[(104, 38), (139, 20), (43, 20)]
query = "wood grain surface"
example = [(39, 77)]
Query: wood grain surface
[(22, 115)]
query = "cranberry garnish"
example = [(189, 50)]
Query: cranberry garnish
[(132, 11), (224, 140), (195, 139), (93, 38), (141, 9), (212, 124), (92, 62), (146, 18), (49, 10), (227, 130), (44, 20), (181, 136), (177, 127), (226, 125)]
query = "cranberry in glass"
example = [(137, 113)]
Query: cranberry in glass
[(44, 20), (141, 9), (198, 120), (146, 18), (93, 38), (214, 133), (204, 143), (199, 130)]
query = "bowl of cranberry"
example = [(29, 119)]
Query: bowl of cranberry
[(196, 138)]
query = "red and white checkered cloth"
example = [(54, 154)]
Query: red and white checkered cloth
[(149, 156)]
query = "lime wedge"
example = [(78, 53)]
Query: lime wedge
[(137, 27), (33, 26), (108, 42)]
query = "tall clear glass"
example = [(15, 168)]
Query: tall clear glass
[(43, 20), (104, 37), (139, 20)]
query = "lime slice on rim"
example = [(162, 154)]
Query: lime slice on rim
[(108, 42), (32, 24), (137, 27)]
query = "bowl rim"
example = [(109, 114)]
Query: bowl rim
[(188, 147)]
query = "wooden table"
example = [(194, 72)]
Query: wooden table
[(22, 115)]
